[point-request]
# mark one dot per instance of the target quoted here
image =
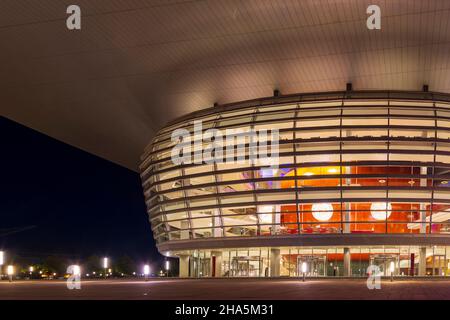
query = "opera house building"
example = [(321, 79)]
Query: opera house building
[(363, 179)]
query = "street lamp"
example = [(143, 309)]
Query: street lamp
[(76, 270), (2, 261), (146, 271), (10, 272), (105, 264), (167, 267), (304, 269)]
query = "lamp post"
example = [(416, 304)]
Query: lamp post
[(10, 272), (2, 261), (167, 267), (146, 271), (392, 269), (105, 265), (304, 269)]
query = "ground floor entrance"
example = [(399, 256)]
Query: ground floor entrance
[(317, 261)]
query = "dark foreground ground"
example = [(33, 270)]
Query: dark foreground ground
[(227, 289)]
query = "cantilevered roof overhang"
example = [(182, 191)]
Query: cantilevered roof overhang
[(136, 65)]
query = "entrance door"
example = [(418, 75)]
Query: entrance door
[(315, 265), (438, 265), (383, 261), (245, 267)]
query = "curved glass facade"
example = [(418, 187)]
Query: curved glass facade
[(359, 163)]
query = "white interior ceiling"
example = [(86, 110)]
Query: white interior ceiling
[(137, 64)]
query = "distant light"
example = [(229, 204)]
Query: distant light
[(2, 258), (40, 272), (146, 269), (93, 272), (392, 266), (121, 274), (105, 263), (87, 274), (31, 269), (444, 182), (76, 270), (167, 265), (54, 273), (304, 267), (109, 270), (10, 270)]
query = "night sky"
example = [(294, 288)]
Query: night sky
[(79, 204)]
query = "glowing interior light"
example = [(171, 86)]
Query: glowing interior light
[(308, 174), (105, 263), (381, 210), (2, 258), (146, 269), (304, 267), (265, 214), (167, 265), (322, 211), (332, 170)]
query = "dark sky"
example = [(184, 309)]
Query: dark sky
[(79, 203)]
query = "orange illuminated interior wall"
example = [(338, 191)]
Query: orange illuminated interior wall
[(359, 211), (331, 257)]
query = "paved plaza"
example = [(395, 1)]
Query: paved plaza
[(216, 289)]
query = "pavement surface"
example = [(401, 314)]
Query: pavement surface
[(227, 289)]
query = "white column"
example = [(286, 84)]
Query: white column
[(275, 259), (422, 261), (216, 222), (183, 266), (185, 233), (347, 262), (346, 207), (423, 213)]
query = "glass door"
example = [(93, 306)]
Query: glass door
[(383, 261), (315, 265)]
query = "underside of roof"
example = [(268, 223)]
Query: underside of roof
[(136, 65)]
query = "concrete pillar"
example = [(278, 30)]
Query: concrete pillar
[(275, 259), (423, 261), (423, 213), (216, 264), (347, 263), (346, 206), (216, 222), (183, 266), (184, 235), (346, 217)]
